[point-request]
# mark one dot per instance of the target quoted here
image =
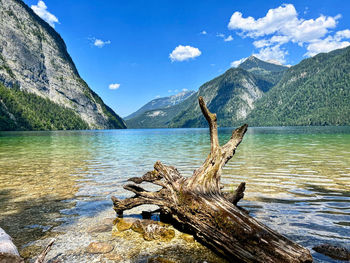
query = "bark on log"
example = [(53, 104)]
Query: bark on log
[(198, 205)]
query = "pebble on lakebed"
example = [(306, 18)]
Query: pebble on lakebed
[(99, 248)]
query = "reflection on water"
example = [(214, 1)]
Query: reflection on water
[(298, 178)]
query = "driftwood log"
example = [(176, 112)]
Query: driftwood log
[(198, 204)]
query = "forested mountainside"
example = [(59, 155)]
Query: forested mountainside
[(314, 92)]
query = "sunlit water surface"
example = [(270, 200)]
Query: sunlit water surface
[(298, 178)]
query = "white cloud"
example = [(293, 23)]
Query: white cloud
[(114, 86), (203, 32), (283, 21), (226, 39), (307, 30), (272, 41), (236, 63), (157, 97), (282, 25), (328, 44), (272, 54), (100, 43), (182, 53), (274, 20), (229, 38), (169, 90), (41, 10), (184, 89), (342, 34)]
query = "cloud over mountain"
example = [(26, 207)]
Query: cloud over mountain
[(283, 25)]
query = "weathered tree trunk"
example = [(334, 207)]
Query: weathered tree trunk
[(198, 204)]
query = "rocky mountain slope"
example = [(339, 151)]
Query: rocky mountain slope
[(34, 60), (161, 103), (268, 73), (231, 95), (314, 92)]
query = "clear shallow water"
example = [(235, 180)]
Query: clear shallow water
[(298, 178)]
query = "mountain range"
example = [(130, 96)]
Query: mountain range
[(314, 92), (40, 87)]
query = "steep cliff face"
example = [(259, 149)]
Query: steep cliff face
[(34, 59)]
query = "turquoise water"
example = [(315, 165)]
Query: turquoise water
[(298, 178)]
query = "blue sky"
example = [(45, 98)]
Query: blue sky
[(130, 52)]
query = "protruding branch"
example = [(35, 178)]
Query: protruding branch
[(135, 189), (207, 177), (237, 195), (212, 121), (120, 205), (230, 147), (147, 177), (43, 254)]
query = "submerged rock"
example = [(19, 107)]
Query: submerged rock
[(99, 248), (123, 224), (188, 238), (138, 226), (99, 229), (158, 232), (153, 230)]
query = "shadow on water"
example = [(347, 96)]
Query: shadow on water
[(31, 219)]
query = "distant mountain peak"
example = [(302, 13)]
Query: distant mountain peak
[(252, 57), (253, 63), (161, 103), (256, 59)]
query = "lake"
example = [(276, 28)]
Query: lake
[(297, 178)]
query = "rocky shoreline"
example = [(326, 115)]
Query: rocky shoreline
[(105, 238)]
